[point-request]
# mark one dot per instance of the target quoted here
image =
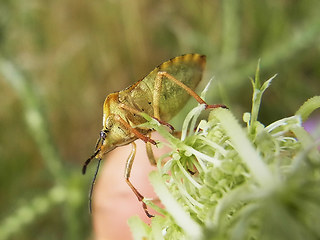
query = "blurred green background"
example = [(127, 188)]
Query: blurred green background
[(59, 59)]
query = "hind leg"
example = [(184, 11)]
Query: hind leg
[(157, 87)]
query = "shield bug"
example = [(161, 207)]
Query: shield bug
[(161, 94)]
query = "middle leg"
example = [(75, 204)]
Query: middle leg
[(134, 131), (135, 111)]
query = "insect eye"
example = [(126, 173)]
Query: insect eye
[(103, 134)]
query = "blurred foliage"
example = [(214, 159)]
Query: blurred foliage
[(59, 59)]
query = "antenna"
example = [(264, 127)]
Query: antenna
[(84, 168), (92, 185)]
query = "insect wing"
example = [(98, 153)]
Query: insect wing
[(187, 68)]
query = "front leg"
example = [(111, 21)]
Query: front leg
[(127, 177)]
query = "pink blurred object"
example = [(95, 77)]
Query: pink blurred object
[(312, 125)]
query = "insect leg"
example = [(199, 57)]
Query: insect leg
[(150, 154), (148, 144), (134, 131), (187, 89), (133, 110), (127, 176)]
